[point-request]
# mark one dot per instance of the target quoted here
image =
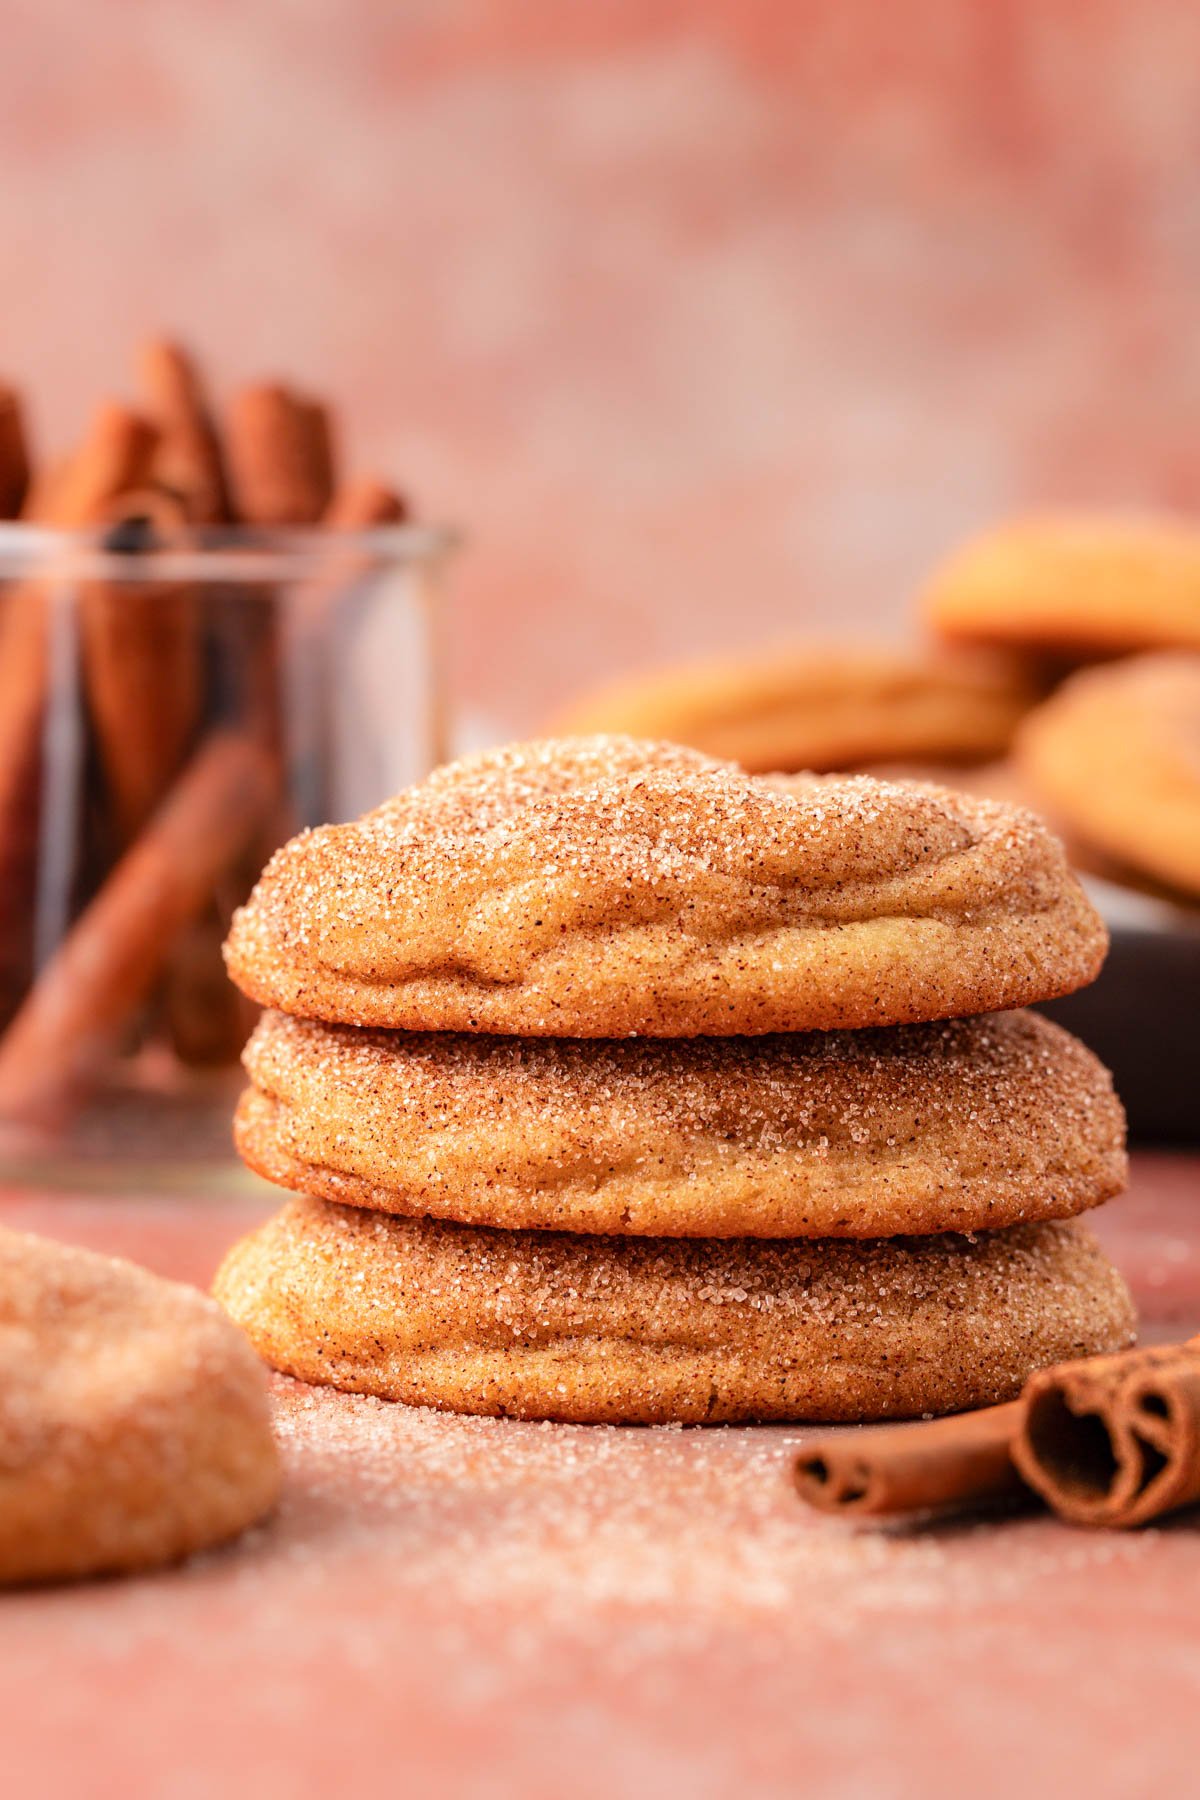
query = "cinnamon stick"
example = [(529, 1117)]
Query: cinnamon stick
[(189, 460), (318, 426), (46, 482), (1114, 1440), (280, 456), (14, 455), (114, 455), (203, 1011), (24, 665), (363, 503), (1110, 1440), (142, 664), (311, 616), (961, 1461), (281, 466), (111, 958), (206, 1018)]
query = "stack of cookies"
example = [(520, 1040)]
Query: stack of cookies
[(617, 1084)]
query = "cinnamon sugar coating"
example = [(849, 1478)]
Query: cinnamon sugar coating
[(134, 1422), (950, 1127), (548, 1325), (1078, 584), (824, 707), (604, 887), (1115, 755)]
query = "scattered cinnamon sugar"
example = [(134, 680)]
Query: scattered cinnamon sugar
[(503, 1538)]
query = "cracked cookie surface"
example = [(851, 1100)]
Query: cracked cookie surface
[(606, 887)]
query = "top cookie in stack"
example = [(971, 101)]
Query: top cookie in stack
[(603, 887), (437, 959)]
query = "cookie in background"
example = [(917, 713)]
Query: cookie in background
[(1115, 757), (1079, 586), (824, 706)]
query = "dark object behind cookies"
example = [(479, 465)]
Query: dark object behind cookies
[(1141, 1018)]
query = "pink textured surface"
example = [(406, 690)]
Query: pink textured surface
[(478, 1608), (708, 318)]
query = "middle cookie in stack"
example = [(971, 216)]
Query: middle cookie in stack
[(851, 1223)]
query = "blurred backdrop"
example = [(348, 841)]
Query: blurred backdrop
[(706, 317)]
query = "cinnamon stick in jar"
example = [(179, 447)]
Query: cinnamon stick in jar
[(143, 667), (144, 649), (361, 504), (281, 470), (310, 650), (280, 461), (115, 454), (111, 958), (14, 455), (115, 457), (189, 461), (280, 456)]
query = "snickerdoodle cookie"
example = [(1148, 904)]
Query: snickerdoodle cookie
[(134, 1424), (604, 887), (1115, 755), (952, 1127), (547, 1325), (1079, 585), (824, 707)]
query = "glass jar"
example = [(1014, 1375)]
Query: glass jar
[(170, 712)]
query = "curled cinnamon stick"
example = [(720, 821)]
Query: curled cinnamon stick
[(117, 949), (885, 1469), (189, 459), (1114, 1440), (1110, 1440)]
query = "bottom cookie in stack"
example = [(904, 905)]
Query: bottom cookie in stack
[(558, 1325), (732, 1211)]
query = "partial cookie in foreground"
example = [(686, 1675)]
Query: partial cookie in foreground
[(953, 1127), (134, 1421), (1075, 585), (824, 707), (604, 887), (1115, 756), (546, 1325)]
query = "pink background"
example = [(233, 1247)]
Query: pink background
[(708, 319)]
